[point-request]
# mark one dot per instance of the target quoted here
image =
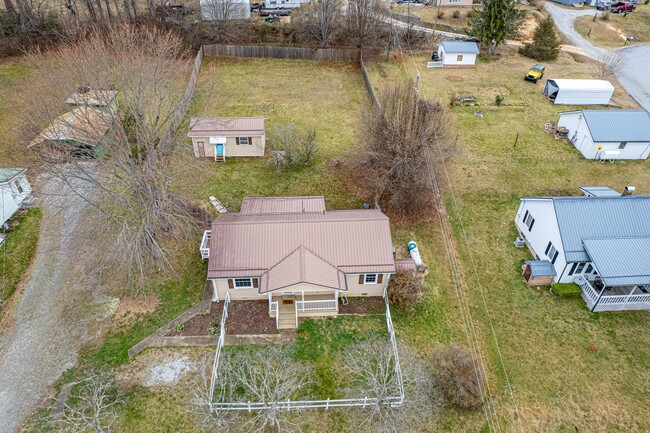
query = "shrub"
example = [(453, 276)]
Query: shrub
[(456, 14), (605, 16), (441, 14), (470, 13), (456, 376), (566, 290), (405, 289), (292, 146), (499, 99)]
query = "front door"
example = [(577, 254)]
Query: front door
[(287, 298), (218, 148)]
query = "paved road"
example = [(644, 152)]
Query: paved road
[(636, 57), (48, 326)]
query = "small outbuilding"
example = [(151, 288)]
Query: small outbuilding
[(221, 137), (608, 134), (458, 54), (15, 189), (578, 92), (538, 272), (105, 100)]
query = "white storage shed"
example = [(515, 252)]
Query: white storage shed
[(608, 134), (458, 54), (578, 92)]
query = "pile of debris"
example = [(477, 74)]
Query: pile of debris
[(560, 132), (466, 100)]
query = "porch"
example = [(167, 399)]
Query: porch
[(286, 308), (615, 298)]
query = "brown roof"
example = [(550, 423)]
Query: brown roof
[(226, 126), (311, 247), (93, 97), (266, 205), (405, 265), (83, 124)]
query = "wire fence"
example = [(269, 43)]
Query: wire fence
[(220, 343), (393, 401)]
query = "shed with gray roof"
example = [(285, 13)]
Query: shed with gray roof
[(608, 134), (458, 54)]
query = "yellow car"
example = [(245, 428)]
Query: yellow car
[(536, 73)]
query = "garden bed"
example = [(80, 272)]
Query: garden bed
[(372, 305)]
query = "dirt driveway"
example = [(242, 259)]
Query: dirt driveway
[(50, 319)]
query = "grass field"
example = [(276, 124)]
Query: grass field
[(612, 33), (14, 75), (544, 340)]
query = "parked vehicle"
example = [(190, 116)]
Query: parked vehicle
[(399, 2), (623, 7), (604, 5), (535, 73)]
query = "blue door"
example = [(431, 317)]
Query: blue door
[(219, 149)]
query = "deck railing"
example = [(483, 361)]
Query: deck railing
[(611, 302), (325, 304), (273, 308), (205, 245), (220, 343)]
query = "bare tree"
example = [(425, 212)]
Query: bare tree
[(93, 408), (406, 289), (292, 146), (370, 367), (456, 376), (131, 180), (269, 376), (608, 66), (364, 21), (392, 163), (319, 21)]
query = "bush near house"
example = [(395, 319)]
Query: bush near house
[(566, 290)]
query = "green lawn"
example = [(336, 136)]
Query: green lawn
[(20, 245), (544, 340), (14, 76), (612, 32)]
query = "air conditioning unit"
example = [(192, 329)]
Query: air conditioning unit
[(520, 242)]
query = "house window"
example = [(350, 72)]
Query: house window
[(580, 268), (18, 186), (243, 283), (529, 220), (622, 145), (244, 140), (590, 269), (551, 252), (370, 279), (459, 58), (573, 269)]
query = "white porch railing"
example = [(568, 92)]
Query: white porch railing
[(273, 308), (325, 304), (205, 245), (220, 343), (611, 302), (436, 64)]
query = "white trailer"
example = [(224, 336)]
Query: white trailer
[(578, 92), (284, 4)]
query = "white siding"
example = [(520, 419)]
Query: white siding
[(581, 138), (451, 59), (284, 4)]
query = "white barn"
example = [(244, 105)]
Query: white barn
[(608, 134), (600, 241), (458, 54), (225, 10), (578, 92)]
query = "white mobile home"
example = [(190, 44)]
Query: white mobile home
[(14, 190), (284, 4), (608, 134), (600, 241), (221, 137), (458, 54), (578, 92)]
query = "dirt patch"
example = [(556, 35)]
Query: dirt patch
[(373, 305), (244, 318), (455, 78), (529, 25), (130, 308)]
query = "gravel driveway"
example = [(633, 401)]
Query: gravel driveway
[(636, 57), (51, 315)]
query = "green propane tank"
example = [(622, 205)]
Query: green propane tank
[(414, 252)]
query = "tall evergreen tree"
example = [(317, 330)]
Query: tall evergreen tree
[(546, 44), (495, 22)]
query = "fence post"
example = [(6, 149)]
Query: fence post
[(327, 404)]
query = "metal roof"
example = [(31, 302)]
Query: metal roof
[(460, 47), (349, 241), (581, 84), (85, 124), (599, 191), (6, 174), (618, 125), (92, 97), (541, 268), (581, 218), (405, 265), (266, 205), (226, 126), (621, 261)]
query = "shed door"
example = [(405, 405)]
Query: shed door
[(218, 149), (200, 147)]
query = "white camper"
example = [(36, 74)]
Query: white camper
[(578, 92), (284, 4)]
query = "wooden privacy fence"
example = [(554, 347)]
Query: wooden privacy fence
[(270, 52)]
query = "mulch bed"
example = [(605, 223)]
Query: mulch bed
[(372, 305), (244, 318)]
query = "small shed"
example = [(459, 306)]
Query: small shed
[(105, 100), (218, 137), (608, 134), (458, 54), (538, 272), (14, 191), (578, 92)]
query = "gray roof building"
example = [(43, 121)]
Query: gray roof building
[(618, 125), (460, 47)]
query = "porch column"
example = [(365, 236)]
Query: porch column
[(215, 293)]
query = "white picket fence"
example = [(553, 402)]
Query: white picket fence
[(220, 343), (393, 401)]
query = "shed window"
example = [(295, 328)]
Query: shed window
[(244, 140), (622, 145), (459, 58), (243, 283), (19, 187), (529, 220)]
